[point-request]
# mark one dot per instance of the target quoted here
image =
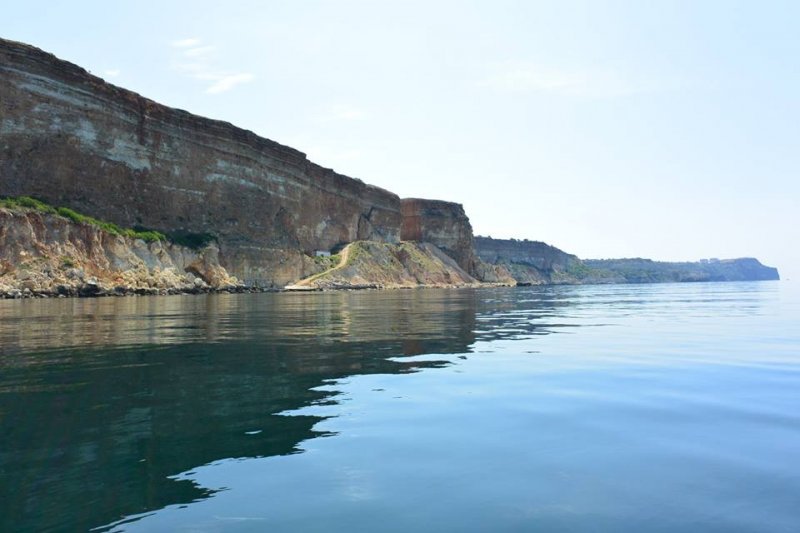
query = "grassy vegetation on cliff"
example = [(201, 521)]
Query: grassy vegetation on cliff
[(26, 202), (327, 264)]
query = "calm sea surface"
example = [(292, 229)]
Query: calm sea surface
[(613, 408)]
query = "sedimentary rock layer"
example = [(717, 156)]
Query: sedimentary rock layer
[(529, 262), (49, 254), (71, 139), (444, 224)]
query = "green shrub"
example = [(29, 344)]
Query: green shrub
[(66, 212), (33, 203), (578, 269), (194, 241), (27, 202), (149, 236)]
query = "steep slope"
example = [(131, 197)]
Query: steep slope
[(47, 254), (365, 264)]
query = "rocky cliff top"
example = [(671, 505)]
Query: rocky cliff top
[(48, 65), (536, 253), (434, 204)]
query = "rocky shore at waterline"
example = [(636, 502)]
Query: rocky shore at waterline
[(93, 289), (46, 255)]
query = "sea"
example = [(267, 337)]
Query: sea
[(616, 408)]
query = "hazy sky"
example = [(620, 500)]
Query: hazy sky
[(668, 130)]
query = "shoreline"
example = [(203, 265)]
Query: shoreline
[(84, 292), (94, 291)]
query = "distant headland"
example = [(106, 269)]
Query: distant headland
[(107, 192)]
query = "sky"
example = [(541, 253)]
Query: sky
[(663, 129)]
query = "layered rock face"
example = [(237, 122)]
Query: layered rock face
[(444, 224), (71, 139), (529, 262), (48, 254)]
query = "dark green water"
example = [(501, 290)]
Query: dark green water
[(627, 408)]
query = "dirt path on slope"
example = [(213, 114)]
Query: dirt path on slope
[(304, 283)]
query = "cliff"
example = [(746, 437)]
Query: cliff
[(537, 263), (71, 139), (528, 262), (47, 254), (444, 224), (648, 271)]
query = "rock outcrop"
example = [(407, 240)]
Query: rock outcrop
[(444, 224), (71, 139), (45, 254), (529, 262)]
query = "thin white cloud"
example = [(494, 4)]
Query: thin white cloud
[(185, 43), (227, 83), (111, 73), (343, 112), (581, 82), (199, 61), (199, 51)]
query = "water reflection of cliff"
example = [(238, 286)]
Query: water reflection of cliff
[(102, 400), (327, 318)]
